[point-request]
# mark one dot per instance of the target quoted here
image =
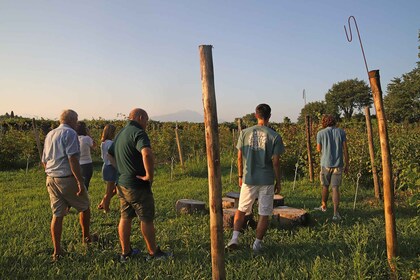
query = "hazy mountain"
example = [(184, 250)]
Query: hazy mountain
[(180, 116)]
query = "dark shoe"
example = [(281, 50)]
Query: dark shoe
[(90, 239), (232, 245), (159, 255), (126, 257)]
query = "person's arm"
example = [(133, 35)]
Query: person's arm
[(318, 147), (112, 160), (346, 157), (276, 168), (75, 169), (149, 164), (240, 168)]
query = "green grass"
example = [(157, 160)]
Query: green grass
[(351, 249)]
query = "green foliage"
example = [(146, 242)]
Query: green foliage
[(348, 96), (402, 102), (313, 109)]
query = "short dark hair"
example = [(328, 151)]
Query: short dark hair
[(263, 111), (328, 120), (81, 128)]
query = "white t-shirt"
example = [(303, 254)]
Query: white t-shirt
[(104, 151), (86, 143)]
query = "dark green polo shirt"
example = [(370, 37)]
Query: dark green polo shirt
[(126, 150)]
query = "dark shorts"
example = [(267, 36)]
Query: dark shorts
[(87, 172), (137, 202), (109, 173)]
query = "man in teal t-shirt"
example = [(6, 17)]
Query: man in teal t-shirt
[(332, 144), (259, 148)]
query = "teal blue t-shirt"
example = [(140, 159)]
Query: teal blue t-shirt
[(258, 145), (331, 140)]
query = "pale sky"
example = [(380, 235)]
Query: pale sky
[(103, 58)]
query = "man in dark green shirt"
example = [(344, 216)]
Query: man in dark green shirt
[(132, 155)]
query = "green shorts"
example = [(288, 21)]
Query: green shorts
[(137, 202)]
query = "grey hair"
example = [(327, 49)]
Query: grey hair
[(67, 116)]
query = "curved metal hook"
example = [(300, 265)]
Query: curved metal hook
[(360, 40)]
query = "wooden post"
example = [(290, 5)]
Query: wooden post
[(239, 125), (390, 229), (308, 146), (38, 143), (213, 163), (372, 154), (179, 147)]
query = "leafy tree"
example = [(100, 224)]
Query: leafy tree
[(314, 109), (402, 102), (286, 120), (249, 120), (12, 115), (348, 96)]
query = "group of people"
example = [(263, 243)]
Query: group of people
[(128, 170), (128, 166)]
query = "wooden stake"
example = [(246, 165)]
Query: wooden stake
[(38, 143), (179, 147), (213, 163), (372, 154), (308, 146), (390, 229)]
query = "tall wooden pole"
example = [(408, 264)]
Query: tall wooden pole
[(372, 154), (213, 163), (178, 143), (390, 229), (38, 142), (309, 148)]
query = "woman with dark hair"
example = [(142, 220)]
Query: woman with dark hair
[(86, 144), (109, 173)]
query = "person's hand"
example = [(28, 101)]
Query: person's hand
[(81, 189), (145, 178), (277, 188)]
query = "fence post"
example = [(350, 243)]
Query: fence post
[(213, 163), (390, 230), (309, 148), (178, 143), (372, 154)]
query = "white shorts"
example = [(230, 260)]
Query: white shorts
[(265, 195)]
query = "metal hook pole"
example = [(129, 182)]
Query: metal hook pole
[(360, 40)]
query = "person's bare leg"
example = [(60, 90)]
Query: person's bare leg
[(238, 220), (56, 231), (149, 235), (110, 192), (84, 219), (325, 193), (262, 227), (124, 231), (336, 199)]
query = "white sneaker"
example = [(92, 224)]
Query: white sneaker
[(321, 208), (336, 217), (257, 247), (233, 244)]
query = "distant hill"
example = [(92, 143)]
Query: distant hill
[(180, 116)]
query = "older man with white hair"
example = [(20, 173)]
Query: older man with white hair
[(64, 179)]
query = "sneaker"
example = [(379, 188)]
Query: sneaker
[(336, 217), (126, 257), (233, 244), (56, 258), (321, 208), (159, 255), (257, 248)]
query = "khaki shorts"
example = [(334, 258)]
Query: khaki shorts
[(63, 193), (331, 176), (137, 202), (265, 195)]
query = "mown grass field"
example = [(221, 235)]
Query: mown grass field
[(353, 248)]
